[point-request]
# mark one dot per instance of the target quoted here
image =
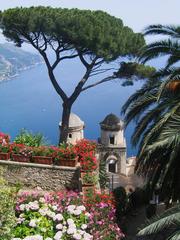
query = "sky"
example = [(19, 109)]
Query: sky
[(136, 14)]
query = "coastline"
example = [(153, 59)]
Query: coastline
[(10, 77)]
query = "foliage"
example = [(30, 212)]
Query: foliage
[(120, 198), (85, 145), (89, 178), (133, 70), (86, 152), (165, 227), (4, 138), (5, 148), (7, 214), (103, 176), (156, 110), (4, 143), (29, 139), (45, 151), (88, 162), (66, 152), (94, 37), (21, 149), (64, 215)]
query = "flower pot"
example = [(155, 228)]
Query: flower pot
[(88, 192), (87, 181), (42, 160), (68, 163), (4, 156), (19, 158)]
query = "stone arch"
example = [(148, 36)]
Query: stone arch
[(112, 164)]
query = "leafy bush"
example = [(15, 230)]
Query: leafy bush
[(120, 197), (103, 176), (29, 139), (7, 213)]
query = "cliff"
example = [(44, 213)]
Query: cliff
[(14, 59)]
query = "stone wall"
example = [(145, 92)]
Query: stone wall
[(46, 177)]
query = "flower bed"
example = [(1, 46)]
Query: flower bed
[(64, 216)]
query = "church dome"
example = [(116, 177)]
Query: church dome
[(111, 122), (75, 121)]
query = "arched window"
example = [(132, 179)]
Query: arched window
[(112, 166)]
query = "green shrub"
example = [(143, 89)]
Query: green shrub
[(29, 139), (7, 213), (103, 176), (120, 197)]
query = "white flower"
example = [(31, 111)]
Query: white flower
[(84, 226), (48, 238), (59, 226), (35, 237), (43, 211), (54, 207), (16, 239), (42, 200), (64, 229), (58, 217), (34, 205), (87, 236), (58, 235), (20, 220), (43, 230), (80, 231), (77, 236), (71, 229), (70, 221), (71, 207), (22, 207), (82, 208), (32, 223), (77, 212), (51, 214)]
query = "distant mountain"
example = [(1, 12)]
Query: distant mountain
[(14, 59)]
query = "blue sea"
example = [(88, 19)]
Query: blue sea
[(29, 101)]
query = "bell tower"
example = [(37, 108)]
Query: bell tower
[(113, 144)]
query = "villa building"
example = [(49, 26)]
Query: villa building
[(111, 144)]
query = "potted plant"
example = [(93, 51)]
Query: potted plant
[(88, 162), (4, 146), (5, 152), (43, 155), (20, 153), (66, 156), (88, 178), (88, 192), (85, 145)]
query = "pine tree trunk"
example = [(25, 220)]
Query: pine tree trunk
[(65, 123)]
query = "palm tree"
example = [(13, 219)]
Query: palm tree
[(156, 110), (164, 227)]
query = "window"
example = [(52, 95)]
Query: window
[(70, 135), (112, 166), (111, 140)]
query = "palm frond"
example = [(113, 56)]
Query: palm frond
[(157, 49), (170, 218), (169, 30)]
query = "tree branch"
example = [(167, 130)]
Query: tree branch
[(97, 83), (58, 89), (84, 62)]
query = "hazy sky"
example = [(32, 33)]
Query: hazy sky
[(137, 14)]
